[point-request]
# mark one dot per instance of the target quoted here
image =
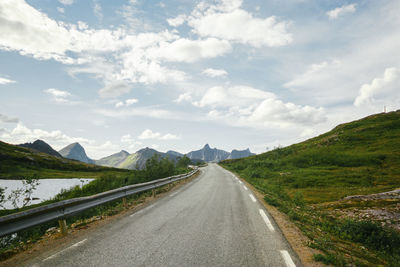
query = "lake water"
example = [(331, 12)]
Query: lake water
[(46, 189)]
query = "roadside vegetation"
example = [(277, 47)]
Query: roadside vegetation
[(308, 181), (156, 168)]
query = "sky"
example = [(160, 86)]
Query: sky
[(175, 75)]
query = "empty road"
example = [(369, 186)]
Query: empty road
[(212, 221)]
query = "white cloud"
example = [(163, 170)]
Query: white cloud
[(66, 2), (214, 72), (386, 87), (232, 96), (228, 21), (97, 10), (61, 9), (7, 119), (150, 135), (22, 134), (126, 103), (130, 141), (185, 97), (6, 81), (114, 89), (58, 95), (111, 55), (185, 50), (246, 106), (149, 112), (314, 74), (340, 11), (177, 21)]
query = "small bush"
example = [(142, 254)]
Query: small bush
[(298, 199), (326, 259)]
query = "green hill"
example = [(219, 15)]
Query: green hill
[(17, 162), (113, 160), (138, 159), (308, 180)]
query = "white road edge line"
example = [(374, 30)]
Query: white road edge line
[(68, 248), (252, 197), (245, 188), (174, 194), (142, 210), (288, 260), (240, 182), (266, 220)]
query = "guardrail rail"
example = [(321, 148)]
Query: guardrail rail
[(15, 222)]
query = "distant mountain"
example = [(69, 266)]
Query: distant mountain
[(113, 160), (216, 155), (138, 159), (237, 154), (174, 153), (209, 154), (17, 162), (41, 146), (77, 152)]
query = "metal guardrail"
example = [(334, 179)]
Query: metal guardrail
[(60, 210)]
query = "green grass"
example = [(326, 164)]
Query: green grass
[(356, 158)]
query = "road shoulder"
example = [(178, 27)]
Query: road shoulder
[(297, 240)]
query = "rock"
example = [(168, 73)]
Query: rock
[(51, 230)]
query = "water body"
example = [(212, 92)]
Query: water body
[(46, 189)]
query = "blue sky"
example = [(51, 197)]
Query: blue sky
[(178, 74)]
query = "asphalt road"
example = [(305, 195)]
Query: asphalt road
[(212, 221)]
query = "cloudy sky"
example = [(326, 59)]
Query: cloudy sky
[(178, 74)]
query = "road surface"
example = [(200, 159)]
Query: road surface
[(212, 221)]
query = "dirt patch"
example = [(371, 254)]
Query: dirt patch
[(297, 240), (54, 241)]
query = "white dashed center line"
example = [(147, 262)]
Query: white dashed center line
[(288, 260), (252, 197), (68, 248), (266, 220), (245, 188)]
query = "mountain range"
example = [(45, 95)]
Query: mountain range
[(137, 160), (41, 146)]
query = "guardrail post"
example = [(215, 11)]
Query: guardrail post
[(63, 226), (153, 193), (124, 202)]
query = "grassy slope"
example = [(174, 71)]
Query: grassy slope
[(359, 157), (130, 161), (16, 162)]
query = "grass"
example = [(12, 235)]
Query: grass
[(356, 158)]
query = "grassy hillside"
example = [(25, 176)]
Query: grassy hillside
[(308, 181), (16, 162)]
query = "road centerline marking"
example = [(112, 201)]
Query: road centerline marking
[(266, 220), (245, 188), (288, 260), (66, 249), (252, 197)]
